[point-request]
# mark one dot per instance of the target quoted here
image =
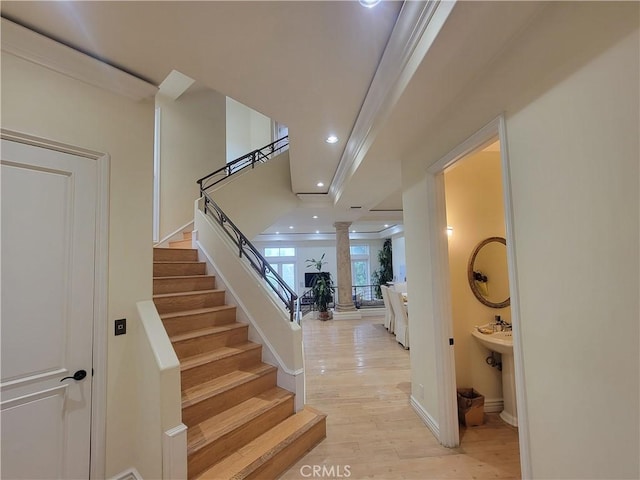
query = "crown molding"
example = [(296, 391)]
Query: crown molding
[(417, 27), (36, 48)]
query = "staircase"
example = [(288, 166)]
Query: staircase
[(240, 424)]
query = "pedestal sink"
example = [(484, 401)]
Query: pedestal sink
[(502, 343)]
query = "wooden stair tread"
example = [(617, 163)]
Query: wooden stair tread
[(207, 331), (183, 277), (186, 294), (174, 262), (216, 426), (217, 354), (193, 395), (168, 249), (196, 311), (243, 462)]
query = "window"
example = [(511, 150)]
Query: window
[(279, 252), (360, 265), (283, 261), (359, 250)]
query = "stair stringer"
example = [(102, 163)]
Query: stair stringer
[(255, 305)]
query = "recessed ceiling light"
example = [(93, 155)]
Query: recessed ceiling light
[(290, 227), (317, 231), (386, 225), (320, 184), (369, 3), (315, 216), (353, 231), (332, 139), (277, 233)]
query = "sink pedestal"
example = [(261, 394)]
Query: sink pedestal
[(502, 343), (510, 412)]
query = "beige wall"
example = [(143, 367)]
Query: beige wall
[(473, 191), (40, 102), (256, 198), (192, 145), (569, 88), (258, 301), (246, 129)]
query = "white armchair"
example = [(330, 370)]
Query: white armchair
[(401, 318), (389, 318)]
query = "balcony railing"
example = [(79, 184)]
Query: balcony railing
[(249, 160)]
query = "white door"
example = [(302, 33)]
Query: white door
[(48, 243)]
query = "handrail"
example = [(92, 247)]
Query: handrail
[(250, 159), (253, 256)]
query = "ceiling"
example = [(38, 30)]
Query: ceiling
[(309, 65)]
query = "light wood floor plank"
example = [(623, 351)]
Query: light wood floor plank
[(360, 377)]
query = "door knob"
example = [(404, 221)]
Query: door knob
[(79, 375)]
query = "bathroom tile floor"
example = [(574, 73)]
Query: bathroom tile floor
[(360, 377)]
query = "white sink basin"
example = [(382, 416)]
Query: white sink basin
[(500, 342)]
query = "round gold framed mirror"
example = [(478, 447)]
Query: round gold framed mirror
[(488, 273)]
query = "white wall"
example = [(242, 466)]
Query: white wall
[(475, 210), (569, 87), (256, 198), (192, 145), (247, 129), (314, 249), (43, 103), (574, 173), (398, 258), (265, 309)]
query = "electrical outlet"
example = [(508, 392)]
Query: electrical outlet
[(121, 326)]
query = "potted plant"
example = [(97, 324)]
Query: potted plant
[(322, 288), (385, 273)]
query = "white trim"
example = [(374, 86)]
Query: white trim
[(101, 325), (351, 315), (175, 235), (34, 47), (306, 237), (157, 124), (416, 28), (493, 405), (27, 139), (101, 282), (443, 330), (442, 313), (245, 311), (518, 355), (428, 420), (129, 474), (174, 449)]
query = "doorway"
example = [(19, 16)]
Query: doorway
[(54, 243), (448, 336)]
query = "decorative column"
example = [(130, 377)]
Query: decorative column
[(344, 305)]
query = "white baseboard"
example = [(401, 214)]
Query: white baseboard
[(372, 312), (493, 405), (354, 315), (130, 474), (428, 420), (175, 235)]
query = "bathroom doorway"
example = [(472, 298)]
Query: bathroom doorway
[(470, 202)]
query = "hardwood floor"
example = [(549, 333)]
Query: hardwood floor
[(359, 376)]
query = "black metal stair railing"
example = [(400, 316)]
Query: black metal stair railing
[(252, 255), (249, 160)]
